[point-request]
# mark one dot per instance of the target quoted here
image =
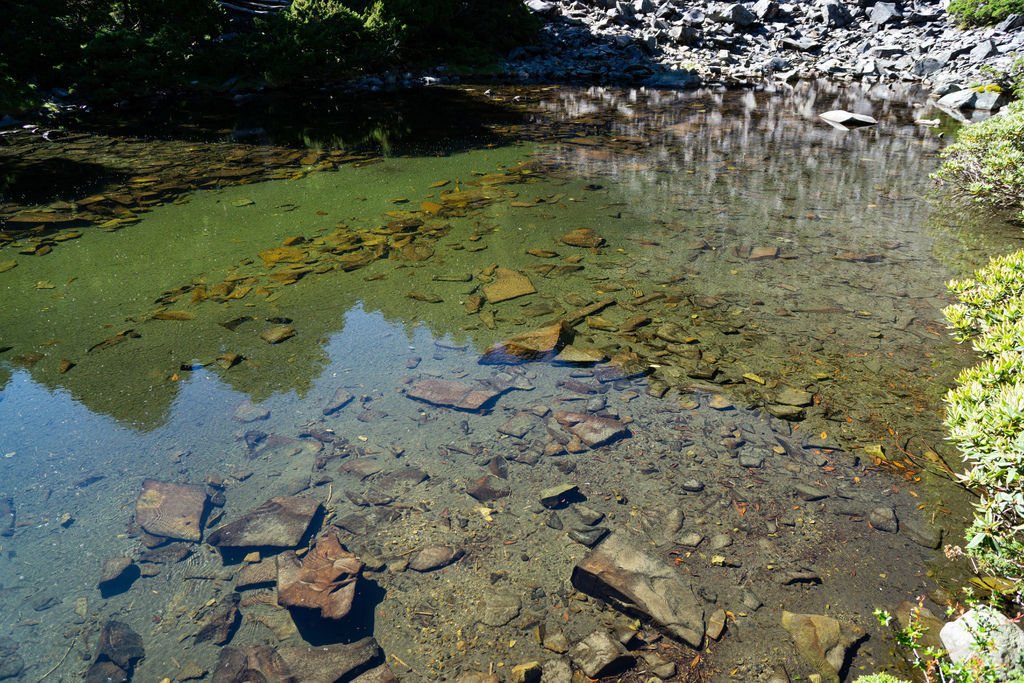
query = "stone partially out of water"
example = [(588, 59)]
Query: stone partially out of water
[(329, 663), (452, 394), (251, 663), (583, 237), (280, 522), (324, 579), (508, 284), (171, 510), (635, 583), (848, 119), (530, 345), (822, 641)]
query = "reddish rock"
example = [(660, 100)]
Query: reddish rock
[(592, 430), (171, 510), (508, 284), (487, 488), (251, 663), (324, 579), (434, 557), (544, 341), (451, 394), (330, 663)]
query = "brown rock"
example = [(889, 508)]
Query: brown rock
[(119, 644), (280, 522), (530, 345), (763, 253), (583, 237), (277, 255), (508, 284), (380, 674), (593, 430), (171, 510), (822, 641), (635, 583), (477, 677), (433, 557), (324, 579), (218, 625), (251, 664), (259, 574), (114, 569), (488, 488), (277, 334), (576, 355), (451, 394), (329, 663)]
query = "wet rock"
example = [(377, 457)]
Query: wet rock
[(884, 519), (499, 608), (587, 515), (120, 645), (434, 557), (785, 412), (281, 522), (848, 119), (378, 674), (691, 486), (575, 355), (451, 394), (716, 624), (532, 345), (106, 672), (791, 396), (219, 625), (556, 671), (324, 579), (508, 284), (117, 576), (330, 663), (260, 573), (11, 663), (635, 583), (251, 664), (593, 430), (8, 516), (588, 537), (809, 493), (361, 468), (247, 412), (583, 237), (1004, 641), (558, 496), (171, 510), (822, 641), (518, 426), (277, 334), (527, 672), (921, 532), (599, 654), (487, 488), (339, 400)]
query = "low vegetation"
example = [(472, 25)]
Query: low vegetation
[(985, 12)]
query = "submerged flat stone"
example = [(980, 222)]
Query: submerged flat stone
[(329, 663), (508, 284), (280, 522), (531, 345), (631, 581), (593, 430), (171, 510), (323, 580), (452, 394)]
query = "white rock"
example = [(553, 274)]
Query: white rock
[(1002, 641), (848, 119)]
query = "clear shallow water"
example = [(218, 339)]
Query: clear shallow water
[(693, 194)]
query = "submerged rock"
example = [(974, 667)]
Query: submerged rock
[(324, 579), (452, 394), (171, 510), (508, 284), (531, 345), (118, 650), (434, 557), (330, 663), (583, 237), (280, 522), (251, 664), (593, 430), (635, 583), (822, 641), (599, 654)]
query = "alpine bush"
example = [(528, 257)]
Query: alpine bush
[(984, 12)]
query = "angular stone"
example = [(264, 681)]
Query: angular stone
[(277, 334), (921, 532), (378, 674), (884, 519), (329, 663), (575, 355), (527, 672), (281, 522), (791, 396), (763, 253), (251, 663), (499, 608), (848, 119), (583, 237), (487, 488), (258, 574), (114, 569), (822, 641), (324, 579), (218, 625), (599, 654), (508, 284), (119, 644), (105, 672), (635, 583), (433, 557), (171, 510), (340, 399), (247, 412), (452, 394), (1004, 649), (554, 496), (593, 430), (530, 345)]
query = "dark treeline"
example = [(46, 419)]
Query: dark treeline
[(109, 50)]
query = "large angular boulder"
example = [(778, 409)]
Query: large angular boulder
[(638, 584), (280, 522), (323, 580), (171, 510)]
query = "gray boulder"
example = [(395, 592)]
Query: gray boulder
[(884, 13), (985, 630), (834, 14)]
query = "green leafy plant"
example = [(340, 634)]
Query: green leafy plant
[(984, 12), (986, 162)]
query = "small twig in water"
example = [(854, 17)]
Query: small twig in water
[(57, 665)]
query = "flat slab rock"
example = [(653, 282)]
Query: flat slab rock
[(280, 522), (251, 663), (324, 579), (329, 663), (532, 345), (508, 284), (638, 584), (171, 510), (593, 430), (848, 119), (451, 394)]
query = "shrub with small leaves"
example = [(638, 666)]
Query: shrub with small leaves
[(984, 12)]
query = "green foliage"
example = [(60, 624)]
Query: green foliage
[(1010, 80), (878, 678), (987, 160), (984, 12), (985, 412)]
